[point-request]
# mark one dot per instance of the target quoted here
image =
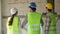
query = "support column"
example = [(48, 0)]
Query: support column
[(0, 18)]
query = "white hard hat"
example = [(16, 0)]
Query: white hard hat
[(13, 10)]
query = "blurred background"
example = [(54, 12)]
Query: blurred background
[(22, 6)]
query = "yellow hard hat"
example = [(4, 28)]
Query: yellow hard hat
[(49, 6)]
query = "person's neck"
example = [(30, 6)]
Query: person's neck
[(32, 11)]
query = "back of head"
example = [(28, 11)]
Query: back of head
[(13, 13), (32, 5), (49, 6), (13, 10)]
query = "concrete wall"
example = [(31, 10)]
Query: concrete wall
[(57, 9), (0, 16), (22, 6)]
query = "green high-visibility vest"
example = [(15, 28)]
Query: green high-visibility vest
[(13, 29), (34, 22), (52, 27)]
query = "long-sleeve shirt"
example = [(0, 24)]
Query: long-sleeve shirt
[(46, 20)]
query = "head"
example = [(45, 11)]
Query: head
[(49, 7), (14, 12), (32, 6)]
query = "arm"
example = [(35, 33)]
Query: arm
[(24, 22), (41, 26), (19, 23), (41, 21), (48, 24)]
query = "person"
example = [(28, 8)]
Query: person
[(13, 22), (50, 25), (33, 20)]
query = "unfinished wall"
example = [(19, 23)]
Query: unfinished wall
[(57, 9), (22, 6), (0, 17)]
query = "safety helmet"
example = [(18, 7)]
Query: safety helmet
[(13, 10), (32, 4), (49, 6)]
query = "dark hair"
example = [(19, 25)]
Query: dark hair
[(50, 10), (11, 19), (34, 9)]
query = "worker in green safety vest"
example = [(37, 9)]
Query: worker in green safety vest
[(50, 26), (33, 20), (13, 22)]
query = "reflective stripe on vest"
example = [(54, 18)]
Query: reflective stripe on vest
[(35, 29), (34, 24), (14, 33), (51, 30), (51, 25), (14, 28), (32, 29)]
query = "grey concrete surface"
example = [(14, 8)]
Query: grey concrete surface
[(0, 16)]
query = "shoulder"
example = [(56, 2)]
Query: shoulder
[(38, 13), (28, 13), (16, 16), (9, 18)]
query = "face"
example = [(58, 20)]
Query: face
[(30, 9), (16, 13), (46, 10)]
